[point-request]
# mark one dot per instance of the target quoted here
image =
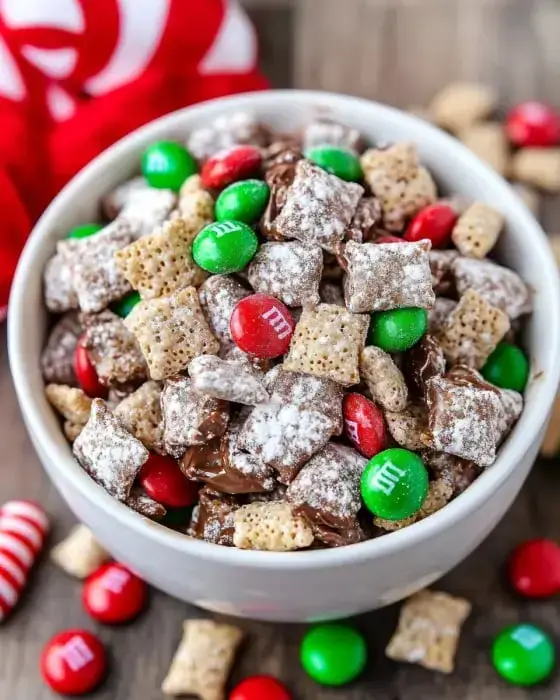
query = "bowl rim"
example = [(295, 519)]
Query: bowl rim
[(56, 451)]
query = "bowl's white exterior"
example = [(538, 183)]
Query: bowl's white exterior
[(303, 585)]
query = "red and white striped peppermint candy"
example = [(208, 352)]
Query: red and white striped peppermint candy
[(23, 528)]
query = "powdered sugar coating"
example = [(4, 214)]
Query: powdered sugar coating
[(95, 274), (146, 506), (383, 378), (60, 294), (324, 132), (289, 271), (113, 349), (189, 418), (224, 132), (140, 413), (218, 296), (108, 452), (441, 266), (327, 489), (284, 436), (499, 286), (319, 207), (384, 276), (227, 380), (147, 209), (438, 316), (464, 419), (57, 358)]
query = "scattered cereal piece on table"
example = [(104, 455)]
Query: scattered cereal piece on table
[(538, 167), (327, 342), (80, 554), (429, 629), (272, 527), (472, 330), (381, 277), (488, 141), (477, 230), (171, 331), (459, 105), (203, 660), (109, 453), (161, 263)]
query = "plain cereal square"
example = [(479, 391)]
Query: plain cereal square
[(140, 413), (477, 230), (327, 342), (171, 331), (160, 264), (272, 527)]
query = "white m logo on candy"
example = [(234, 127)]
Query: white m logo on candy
[(76, 653), (387, 478), (116, 580), (352, 428), (225, 228), (278, 323)]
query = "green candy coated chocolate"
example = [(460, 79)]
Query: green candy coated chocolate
[(333, 654), (523, 655), (167, 164), (394, 484), (242, 201), (84, 230), (225, 247), (507, 367), (337, 161), (125, 305), (399, 329)]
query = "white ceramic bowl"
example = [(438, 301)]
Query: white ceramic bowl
[(302, 585)]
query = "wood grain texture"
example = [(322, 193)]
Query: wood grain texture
[(399, 51)]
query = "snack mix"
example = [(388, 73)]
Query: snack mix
[(296, 342)]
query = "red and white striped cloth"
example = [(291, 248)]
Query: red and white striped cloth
[(23, 529)]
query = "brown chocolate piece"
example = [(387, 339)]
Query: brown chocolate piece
[(279, 178), (443, 277), (146, 506), (284, 151), (57, 358), (459, 473), (212, 518), (335, 538), (422, 362), (368, 217)]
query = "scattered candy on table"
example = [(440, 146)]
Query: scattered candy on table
[(113, 594), (23, 529), (333, 654), (73, 662), (534, 568), (260, 688), (523, 655)]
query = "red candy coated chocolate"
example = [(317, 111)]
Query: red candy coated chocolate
[(114, 595), (262, 326), (73, 662), (260, 688), (86, 374), (163, 481), (534, 568), (533, 124), (364, 424), (435, 222), (230, 165)]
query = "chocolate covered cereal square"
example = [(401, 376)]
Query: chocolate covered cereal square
[(218, 296), (108, 452), (140, 413), (327, 342), (57, 358), (384, 276), (319, 207), (289, 271), (228, 380), (171, 331)]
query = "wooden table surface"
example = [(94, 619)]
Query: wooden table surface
[(399, 51)]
